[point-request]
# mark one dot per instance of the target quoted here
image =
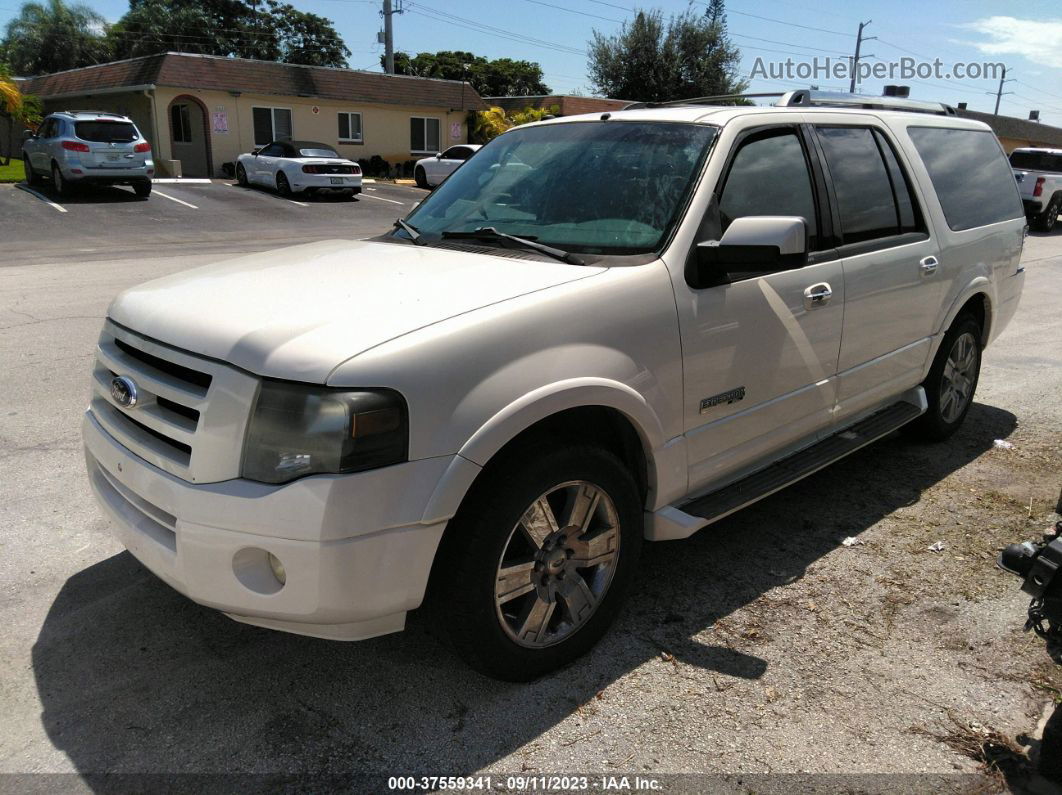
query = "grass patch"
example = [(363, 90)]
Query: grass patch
[(13, 172)]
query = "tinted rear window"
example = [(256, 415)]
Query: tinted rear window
[(1036, 161), (970, 175), (118, 132), (318, 153)]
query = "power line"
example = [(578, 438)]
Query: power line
[(480, 27), (573, 11)]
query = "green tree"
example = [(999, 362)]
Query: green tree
[(690, 56), (52, 36), (502, 77), (269, 30), (17, 111)]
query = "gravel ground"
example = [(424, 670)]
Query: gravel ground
[(762, 645)]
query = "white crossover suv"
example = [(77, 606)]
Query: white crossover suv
[(662, 315)]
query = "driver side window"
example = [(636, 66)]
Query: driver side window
[(769, 176)]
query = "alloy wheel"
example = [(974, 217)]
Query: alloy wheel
[(557, 564), (959, 377)]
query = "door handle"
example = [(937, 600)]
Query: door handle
[(928, 265), (817, 295)]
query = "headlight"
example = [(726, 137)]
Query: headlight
[(299, 430)]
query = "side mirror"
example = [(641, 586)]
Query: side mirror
[(255, 152), (438, 155), (27, 134), (752, 246)]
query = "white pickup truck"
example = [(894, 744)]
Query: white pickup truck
[(599, 330), (1039, 176)]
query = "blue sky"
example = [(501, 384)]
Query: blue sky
[(1027, 37)]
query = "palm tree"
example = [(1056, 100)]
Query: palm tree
[(51, 36), (16, 111)]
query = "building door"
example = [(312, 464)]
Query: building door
[(188, 134)]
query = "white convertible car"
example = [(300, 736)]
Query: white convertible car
[(430, 171), (299, 167)]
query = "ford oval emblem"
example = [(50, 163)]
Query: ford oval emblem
[(123, 390)]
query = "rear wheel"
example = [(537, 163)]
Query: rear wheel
[(31, 175), (420, 177), (283, 186), (952, 381), (1048, 219), (241, 175), (142, 188), (538, 560), (61, 186)]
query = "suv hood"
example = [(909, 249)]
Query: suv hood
[(299, 312)]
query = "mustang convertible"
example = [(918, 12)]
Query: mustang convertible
[(299, 167)]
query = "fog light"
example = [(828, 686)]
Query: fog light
[(278, 568)]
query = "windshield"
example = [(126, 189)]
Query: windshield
[(318, 153), (590, 187), (1036, 161), (119, 132)]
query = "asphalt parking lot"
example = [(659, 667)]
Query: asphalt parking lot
[(762, 645)]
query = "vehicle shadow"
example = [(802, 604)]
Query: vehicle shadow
[(135, 678), (89, 194)]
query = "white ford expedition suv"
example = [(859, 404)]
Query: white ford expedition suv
[(1039, 176), (600, 330)]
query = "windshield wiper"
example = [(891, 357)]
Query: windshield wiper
[(410, 230), (490, 233)]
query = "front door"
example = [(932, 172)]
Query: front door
[(760, 356)]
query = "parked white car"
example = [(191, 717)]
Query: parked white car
[(299, 167), (430, 171), (1039, 176), (665, 315)]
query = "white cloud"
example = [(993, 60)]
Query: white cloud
[(1037, 40)]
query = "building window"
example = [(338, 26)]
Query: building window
[(424, 135), (271, 124), (350, 127), (180, 124)]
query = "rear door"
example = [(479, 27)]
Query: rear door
[(759, 353), (892, 273), (110, 142)]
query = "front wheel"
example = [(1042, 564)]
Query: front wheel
[(951, 382), (539, 558), (31, 176), (1047, 220), (421, 178), (241, 176)]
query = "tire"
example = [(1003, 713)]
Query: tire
[(32, 179), (421, 178), (60, 185), (498, 634), (241, 176), (283, 186), (142, 188), (951, 382), (1046, 221)]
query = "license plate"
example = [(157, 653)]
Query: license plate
[(336, 180), (112, 155)]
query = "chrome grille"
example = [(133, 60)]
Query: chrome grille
[(190, 412)]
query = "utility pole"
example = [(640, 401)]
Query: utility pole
[(389, 39), (855, 60), (1001, 92)]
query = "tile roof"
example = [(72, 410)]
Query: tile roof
[(182, 70), (1020, 129), (569, 105)]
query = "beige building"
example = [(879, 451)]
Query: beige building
[(201, 111)]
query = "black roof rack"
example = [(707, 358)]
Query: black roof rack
[(97, 112), (803, 98)]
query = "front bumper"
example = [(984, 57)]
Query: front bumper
[(355, 550)]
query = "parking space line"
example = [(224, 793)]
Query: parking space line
[(157, 192), (266, 196), (380, 199), (41, 196)]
